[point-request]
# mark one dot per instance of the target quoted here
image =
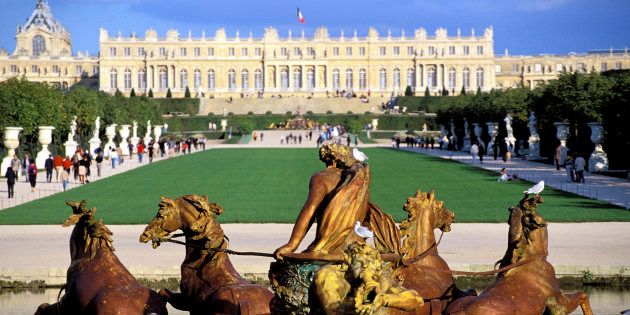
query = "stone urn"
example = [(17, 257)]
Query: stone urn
[(110, 133), (493, 131), (598, 161), (124, 134), (562, 133), (157, 132), (223, 124), (478, 131), (44, 138), (11, 142), (375, 124)]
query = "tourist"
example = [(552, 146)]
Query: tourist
[(26, 164), (261, 139), (254, 136), (64, 179), (16, 165), (150, 149), (11, 178), (99, 163), (114, 156), (32, 174), (580, 166), (130, 148), (48, 166), (481, 152), (84, 165), (67, 164), (121, 157), (58, 164), (558, 156), (474, 151), (569, 166), (140, 151), (503, 176), (75, 165)]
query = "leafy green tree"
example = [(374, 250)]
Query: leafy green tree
[(168, 93), (463, 91), (408, 91), (427, 93), (151, 93), (478, 90), (187, 93), (133, 93), (444, 91), (118, 93)]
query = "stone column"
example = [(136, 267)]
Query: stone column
[(44, 138), (124, 134), (11, 142), (598, 161), (493, 130), (562, 133)]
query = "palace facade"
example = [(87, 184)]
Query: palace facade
[(317, 65)]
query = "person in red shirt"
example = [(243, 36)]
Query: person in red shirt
[(140, 151), (58, 164), (67, 164)]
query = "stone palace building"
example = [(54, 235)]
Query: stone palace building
[(220, 66)]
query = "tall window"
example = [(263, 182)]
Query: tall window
[(231, 79), (466, 50), (349, 79), (411, 77), (297, 78), (310, 79), (183, 79), (55, 69), (211, 80), (197, 78), (163, 79), (604, 66), (182, 51), (348, 51), (244, 79), (451, 50), (257, 51), (112, 51), (244, 52), (142, 80), (396, 78), (78, 69), (335, 51), (479, 50), (39, 45), (383, 50), (480, 77), (258, 82), (284, 78), (466, 78), (231, 52), (197, 51), (396, 50), (362, 51), (335, 79), (451, 78), (362, 80), (127, 51), (431, 78), (113, 79), (127, 79), (382, 79), (210, 51)]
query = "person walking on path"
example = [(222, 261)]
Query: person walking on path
[(99, 163), (64, 180), (140, 151), (67, 164), (569, 166), (558, 156), (482, 152), (114, 156), (16, 165), (58, 164), (474, 151), (26, 164), (32, 175), (580, 165), (11, 178), (48, 166)]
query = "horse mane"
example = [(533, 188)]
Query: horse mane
[(207, 210), (530, 221), (416, 205), (97, 237)]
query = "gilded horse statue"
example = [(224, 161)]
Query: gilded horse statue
[(97, 282), (209, 282), (529, 285)]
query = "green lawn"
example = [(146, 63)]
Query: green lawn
[(270, 185)]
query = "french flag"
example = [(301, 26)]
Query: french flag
[(300, 17)]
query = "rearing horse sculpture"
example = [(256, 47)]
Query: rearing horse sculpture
[(530, 287), (209, 284), (97, 282)]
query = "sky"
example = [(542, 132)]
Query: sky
[(524, 27)]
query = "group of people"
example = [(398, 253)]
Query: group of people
[(411, 142), (25, 167)]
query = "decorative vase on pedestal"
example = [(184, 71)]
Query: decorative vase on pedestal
[(598, 161), (467, 141), (124, 134), (157, 132), (375, 124), (478, 130), (45, 138), (110, 133), (11, 142), (223, 124), (95, 143), (493, 131), (562, 133)]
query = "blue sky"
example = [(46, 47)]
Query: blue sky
[(522, 26)]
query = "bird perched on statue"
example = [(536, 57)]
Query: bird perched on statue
[(358, 155), (536, 189), (362, 230)]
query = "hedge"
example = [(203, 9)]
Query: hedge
[(188, 106)]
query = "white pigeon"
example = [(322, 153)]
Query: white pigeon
[(358, 155), (536, 189), (362, 231)]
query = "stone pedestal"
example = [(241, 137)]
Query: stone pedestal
[(44, 138), (533, 153), (467, 144), (110, 133), (71, 147), (95, 143), (157, 132), (375, 124), (598, 161), (562, 133), (124, 134), (11, 142), (493, 130)]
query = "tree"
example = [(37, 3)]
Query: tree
[(463, 91), (187, 93), (168, 93), (118, 93), (444, 91), (408, 91), (150, 93), (133, 93), (478, 90), (427, 93)]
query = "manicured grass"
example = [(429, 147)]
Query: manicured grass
[(270, 185)]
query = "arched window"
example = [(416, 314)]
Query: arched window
[(335, 79), (396, 78), (431, 78), (183, 78), (411, 77), (127, 79), (310, 79), (349, 79), (297, 78), (452, 83), (39, 45), (362, 80), (197, 78), (258, 82), (284, 78), (163, 79), (113, 79), (244, 79), (466, 78), (211, 80), (231, 80), (382, 79), (480, 77), (142, 80)]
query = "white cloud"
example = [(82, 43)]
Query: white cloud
[(540, 5)]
